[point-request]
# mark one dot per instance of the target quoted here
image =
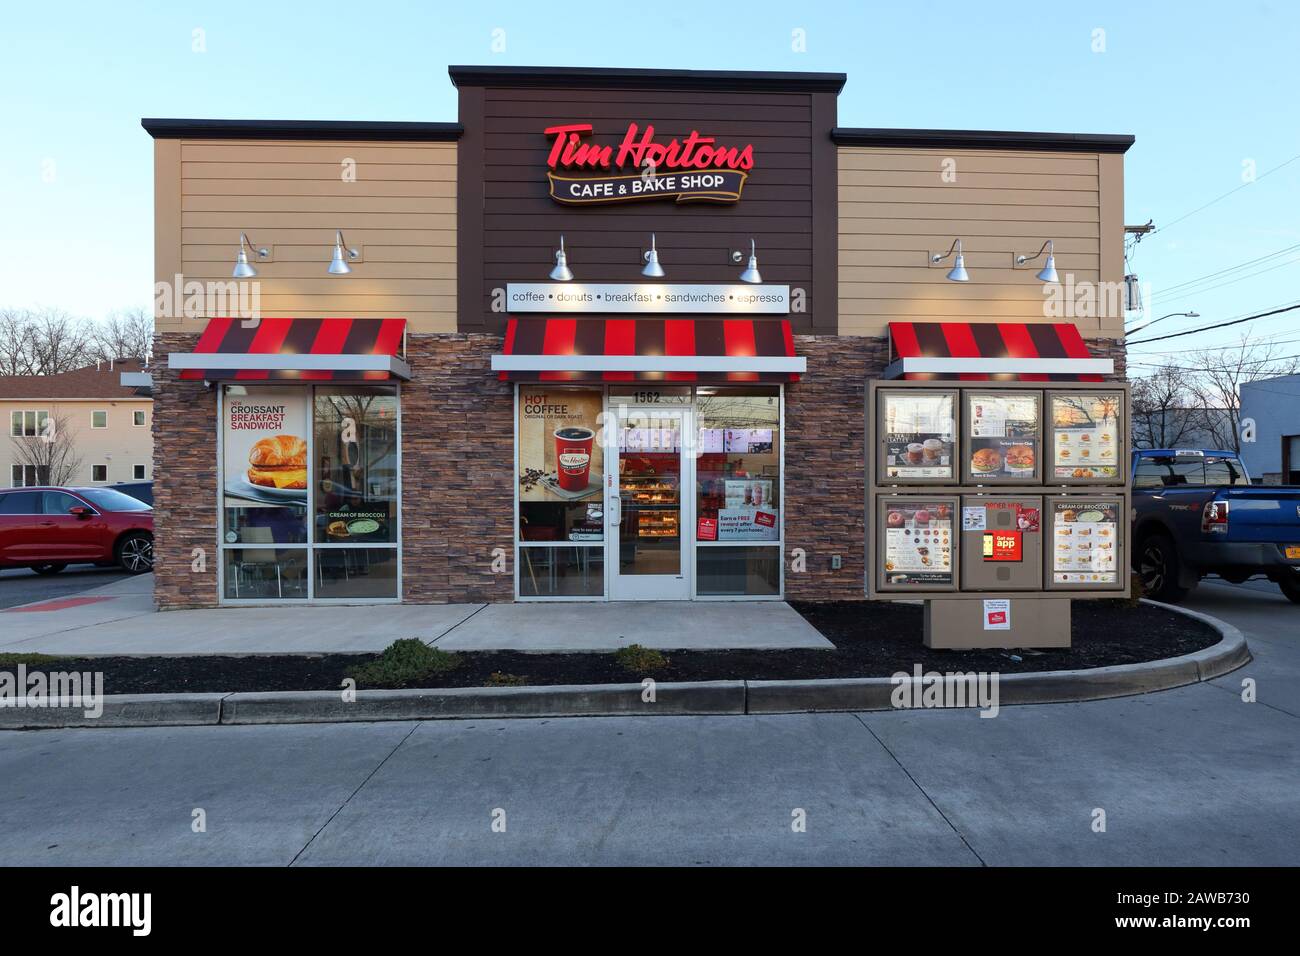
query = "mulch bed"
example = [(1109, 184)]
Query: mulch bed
[(871, 640)]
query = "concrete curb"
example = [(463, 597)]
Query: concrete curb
[(561, 700), (671, 699), (1044, 687)]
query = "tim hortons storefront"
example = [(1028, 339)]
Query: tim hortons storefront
[(605, 338)]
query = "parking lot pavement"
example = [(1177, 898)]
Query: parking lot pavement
[(23, 586)]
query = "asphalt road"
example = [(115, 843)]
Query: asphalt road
[(1190, 776), (21, 586)]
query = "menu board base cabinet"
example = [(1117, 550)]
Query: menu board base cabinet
[(961, 623)]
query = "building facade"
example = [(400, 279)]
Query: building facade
[(81, 427), (515, 357), (1271, 406)]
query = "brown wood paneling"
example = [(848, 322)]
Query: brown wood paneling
[(510, 228)]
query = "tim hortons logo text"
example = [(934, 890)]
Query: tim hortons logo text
[(694, 169)]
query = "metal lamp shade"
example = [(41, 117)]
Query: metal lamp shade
[(561, 272), (653, 269), (338, 262), (751, 273), (1048, 273), (242, 268), (958, 272)]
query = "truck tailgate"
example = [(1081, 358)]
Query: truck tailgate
[(1264, 514)]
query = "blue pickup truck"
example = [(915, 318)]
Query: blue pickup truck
[(1195, 513)]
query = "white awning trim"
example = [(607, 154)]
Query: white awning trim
[(648, 363), (1001, 366), (241, 361)]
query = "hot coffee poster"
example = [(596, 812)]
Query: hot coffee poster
[(560, 457)]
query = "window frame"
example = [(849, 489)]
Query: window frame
[(93, 479), (98, 411), (144, 418), (143, 475)]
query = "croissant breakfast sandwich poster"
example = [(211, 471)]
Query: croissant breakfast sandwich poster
[(265, 450)]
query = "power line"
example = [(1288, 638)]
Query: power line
[(1240, 265), (1219, 325), (1227, 194)]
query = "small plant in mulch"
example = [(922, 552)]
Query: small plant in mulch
[(502, 679), (13, 660), (639, 660), (402, 663)]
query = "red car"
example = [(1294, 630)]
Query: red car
[(46, 529)]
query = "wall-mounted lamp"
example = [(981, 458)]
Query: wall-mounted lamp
[(1048, 272), (339, 262), (561, 272), (751, 273), (652, 267), (958, 271), (242, 269)]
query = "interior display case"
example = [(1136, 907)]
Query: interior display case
[(1086, 441), (916, 436), (1002, 433)]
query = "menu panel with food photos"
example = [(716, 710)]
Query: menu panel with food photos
[(918, 429), (918, 546), (1003, 436), (264, 460), (1085, 541), (1086, 436)]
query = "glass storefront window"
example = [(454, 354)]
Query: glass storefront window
[(355, 451), (561, 463), (561, 572), (748, 571), (265, 574), (356, 572), (331, 451), (738, 464)]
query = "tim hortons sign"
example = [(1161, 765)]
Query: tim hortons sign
[(694, 169)]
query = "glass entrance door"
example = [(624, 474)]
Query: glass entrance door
[(649, 505)]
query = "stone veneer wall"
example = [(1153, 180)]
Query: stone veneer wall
[(185, 483), (458, 471), (458, 447)]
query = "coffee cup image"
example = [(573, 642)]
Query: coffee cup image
[(573, 456)]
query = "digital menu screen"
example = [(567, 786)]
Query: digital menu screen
[(918, 435), (1085, 435), (1003, 434), (1085, 538), (918, 543)]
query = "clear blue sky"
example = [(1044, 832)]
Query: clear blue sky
[(1203, 86)]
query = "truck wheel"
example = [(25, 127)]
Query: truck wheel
[(135, 553), (1291, 588), (1158, 566)]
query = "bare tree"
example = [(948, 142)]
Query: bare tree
[(1218, 377), (51, 453), (60, 341), (1165, 412), (127, 333), (15, 342)]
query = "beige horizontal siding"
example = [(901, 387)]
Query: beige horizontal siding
[(895, 210), (291, 196)]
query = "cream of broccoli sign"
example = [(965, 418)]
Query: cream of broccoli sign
[(694, 169)]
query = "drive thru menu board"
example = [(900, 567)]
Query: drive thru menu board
[(918, 432), (918, 541), (1003, 431), (1086, 435), (1085, 541)]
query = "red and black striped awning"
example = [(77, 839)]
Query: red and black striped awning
[(305, 350), (562, 349), (977, 351)]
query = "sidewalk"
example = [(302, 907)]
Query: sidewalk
[(119, 619)]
